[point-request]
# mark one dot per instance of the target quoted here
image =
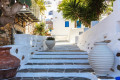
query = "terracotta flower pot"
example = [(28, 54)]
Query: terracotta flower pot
[(8, 63)]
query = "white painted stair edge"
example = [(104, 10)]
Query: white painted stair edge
[(60, 52), (106, 79), (52, 74), (59, 56), (86, 75), (55, 67), (58, 61)]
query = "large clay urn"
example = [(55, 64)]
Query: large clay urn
[(101, 59), (8, 63)]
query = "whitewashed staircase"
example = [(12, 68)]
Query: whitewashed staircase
[(65, 62), (57, 64)]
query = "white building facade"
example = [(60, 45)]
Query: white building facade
[(61, 28)]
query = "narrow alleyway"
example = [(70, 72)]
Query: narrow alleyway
[(64, 62)]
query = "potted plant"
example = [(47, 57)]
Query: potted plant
[(50, 42)]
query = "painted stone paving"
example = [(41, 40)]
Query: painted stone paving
[(72, 60), (51, 78)]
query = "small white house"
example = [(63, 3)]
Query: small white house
[(63, 29)]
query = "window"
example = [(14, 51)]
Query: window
[(51, 13), (66, 23), (49, 2), (78, 24)]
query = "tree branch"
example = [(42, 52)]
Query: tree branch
[(9, 13)]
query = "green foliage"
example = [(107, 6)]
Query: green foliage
[(22, 1), (51, 28), (69, 9), (2, 31), (84, 10), (41, 4), (27, 2), (50, 38), (40, 29), (12, 2)]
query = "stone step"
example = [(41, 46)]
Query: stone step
[(60, 50), (105, 78), (56, 70), (58, 61), (55, 74), (55, 66), (59, 56), (49, 78), (61, 53)]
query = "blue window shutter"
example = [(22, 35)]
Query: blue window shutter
[(78, 24), (51, 13), (66, 23)]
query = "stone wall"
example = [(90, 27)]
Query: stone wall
[(5, 35)]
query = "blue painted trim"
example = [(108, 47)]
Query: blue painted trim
[(66, 23), (78, 24), (117, 78)]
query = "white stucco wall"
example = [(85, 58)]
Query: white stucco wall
[(108, 29), (59, 28), (74, 33), (26, 45), (59, 25), (50, 7)]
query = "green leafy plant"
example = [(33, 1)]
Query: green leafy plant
[(41, 4), (2, 31), (40, 29), (50, 38), (83, 10), (27, 2)]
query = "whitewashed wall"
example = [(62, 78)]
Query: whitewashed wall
[(26, 45), (64, 33), (74, 32), (108, 29), (20, 51), (59, 26)]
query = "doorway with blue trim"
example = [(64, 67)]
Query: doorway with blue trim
[(79, 24)]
